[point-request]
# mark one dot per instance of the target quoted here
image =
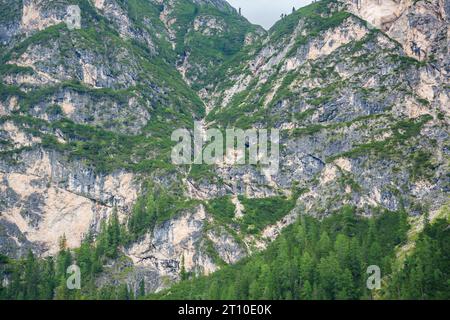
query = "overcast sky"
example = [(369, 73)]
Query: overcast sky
[(266, 12)]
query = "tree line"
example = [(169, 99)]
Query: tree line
[(312, 259)]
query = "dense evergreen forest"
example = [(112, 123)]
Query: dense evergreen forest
[(313, 259), (328, 260)]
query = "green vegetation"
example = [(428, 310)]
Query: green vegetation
[(214, 49), (406, 62), (45, 279), (425, 274), (248, 107), (103, 150), (222, 209), (258, 213), (11, 12), (402, 132), (48, 34), (153, 208), (12, 69), (317, 17), (171, 102), (311, 260)]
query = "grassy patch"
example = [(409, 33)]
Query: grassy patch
[(260, 213)]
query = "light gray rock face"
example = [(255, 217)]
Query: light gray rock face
[(364, 122), (347, 99), (10, 23), (47, 198), (116, 13), (127, 115), (421, 27), (226, 246), (172, 246), (25, 18)]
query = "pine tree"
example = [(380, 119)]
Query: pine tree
[(328, 276), (84, 261), (255, 290), (62, 292), (306, 267), (355, 260), (47, 286), (349, 221), (144, 215), (307, 291), (15, 290), (113, 235), (63, 243), (214, 291), (31, 277), (63, 261), (230, 292), (342, 249), (324, 245), (344, 287), (183, 274)]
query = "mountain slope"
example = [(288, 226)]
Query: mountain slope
[(360, 125), (86, 122), (86, 118)]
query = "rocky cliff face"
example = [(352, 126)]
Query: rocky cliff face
[(419, 26), (359, 90), (350, 102), (45, 197)]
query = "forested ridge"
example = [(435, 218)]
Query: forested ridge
[(315, 260)]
